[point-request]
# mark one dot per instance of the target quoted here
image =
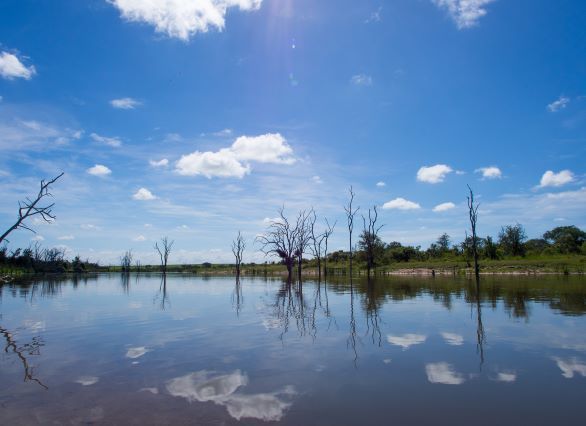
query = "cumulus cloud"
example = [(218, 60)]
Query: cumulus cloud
[(271, 148), (113, 142), (11, 67), (465, 13), (400, 204), (125, 103), (361, 80), (433, 174), (443, 373), (550, 178), (143, 194), (161, 163), (491, 172), (559, 103), (406, 340), (316, 179), (444, 207), (99, 170), (381, 184), (181, 18), (139, 238)]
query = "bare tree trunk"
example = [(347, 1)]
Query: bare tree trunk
[(350, 213), (473, 215), (164, 252)]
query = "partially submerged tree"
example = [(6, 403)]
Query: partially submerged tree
[(280, 239), (350, 213), (326, 235), (370, 242), (473, 216), (126, 262), (303, 238), (319, 247), (164, 250), (32, 207), (238, 246)]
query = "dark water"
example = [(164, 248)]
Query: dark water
[(108, 350)]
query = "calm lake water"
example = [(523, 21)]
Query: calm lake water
[(405, 350)]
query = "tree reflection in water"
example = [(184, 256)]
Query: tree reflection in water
[(162, 297), (237, 296), (31, 349)]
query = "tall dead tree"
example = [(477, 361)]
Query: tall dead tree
[(303, 230), (164, 250), (30, 207), (316, 243), (326, 235), (473, 215), (280, 239), (238, 246), (350, 213), (126, 262), (370, 240)]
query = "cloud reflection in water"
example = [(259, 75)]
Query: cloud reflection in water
[(204, 386)]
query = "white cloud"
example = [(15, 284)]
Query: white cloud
[(443, 373), (125, 103), (558, 104), (113, 142), (139, 238), (181, 18), (317, 180), (400, 204), (38, 238), (161, 163), (406, 340), (268, 148), (550, 178), (453, 339), (570, 367), (465, 13), (143, 194), (11, 67), (99, 170), (212, 164), (374, 16), (433, 174), (26, 134), (234, 161), (491, 172), (444, 207), (66, 238), (361, 80), (381, 184)]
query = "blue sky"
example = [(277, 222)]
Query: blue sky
[(199, 118)]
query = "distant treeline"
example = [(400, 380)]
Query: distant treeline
[(37, 259), (511, 242)]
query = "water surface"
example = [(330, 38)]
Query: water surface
[(111, 349)]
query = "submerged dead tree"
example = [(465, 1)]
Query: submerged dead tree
[(326, 235), (369, 240), (280, 239), (126, 262), (31, 207), (350, 213), (303, 238), (238, 246), (164, 251), (473, 215)]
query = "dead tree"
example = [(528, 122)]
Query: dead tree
[(280, 239), (126, 262), (316, 243), (238, 246), (473, 215), (326, 235), (164, 252), (303, 238), (370, 240), (30, 208), (350, 213)]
